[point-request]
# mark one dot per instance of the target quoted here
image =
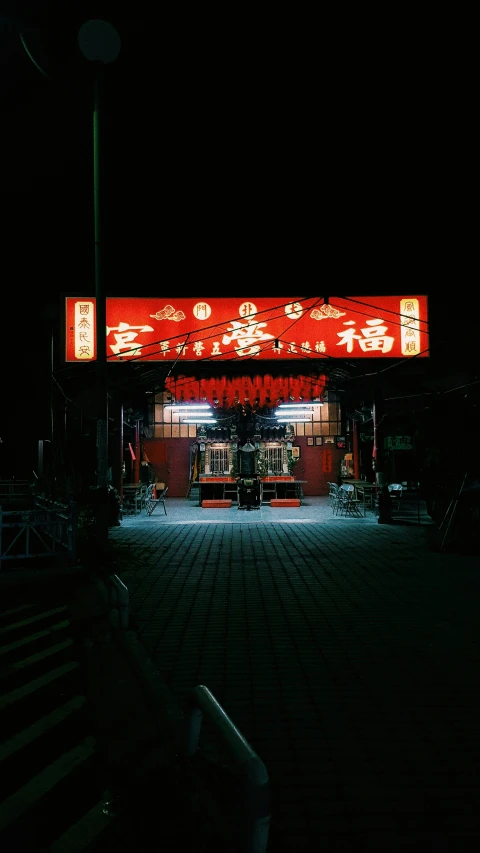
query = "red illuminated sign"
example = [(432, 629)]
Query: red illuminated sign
[(211, 330)]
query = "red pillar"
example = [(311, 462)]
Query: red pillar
[(136, 462)]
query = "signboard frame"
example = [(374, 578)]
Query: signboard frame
[(196, 331)]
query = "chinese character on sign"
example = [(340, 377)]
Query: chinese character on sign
[(247, 309), (410, 327), (248, 336), (398, 442), (294, 310), (374, 337), (327, 461), (124, 334), (84, 330), (202, 311)]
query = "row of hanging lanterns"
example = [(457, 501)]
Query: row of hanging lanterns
[(223, 391)]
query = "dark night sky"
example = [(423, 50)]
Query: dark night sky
[(230, 161), (237, 161)]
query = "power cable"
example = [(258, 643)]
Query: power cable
[(220, 327), (119, 358), (303, 354), (267, 345), (383, 310), (234, 357), (459, 387)]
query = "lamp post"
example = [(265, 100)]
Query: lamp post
[(99, 43)]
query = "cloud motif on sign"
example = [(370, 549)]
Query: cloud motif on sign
[(169, 313), (326, 311)]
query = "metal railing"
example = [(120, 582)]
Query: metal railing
[(118, 599), (48, 529), (256, 823), (13, 492)]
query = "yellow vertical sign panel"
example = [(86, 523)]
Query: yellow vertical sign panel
[(410, 326), (84, 330)]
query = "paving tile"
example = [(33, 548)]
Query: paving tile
[(339, 651)]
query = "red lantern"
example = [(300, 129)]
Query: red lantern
[(203, 390), (321, 384), (268, 389), (291, 389), (257, 390)]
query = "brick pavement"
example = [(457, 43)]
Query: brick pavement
[(345, 651)]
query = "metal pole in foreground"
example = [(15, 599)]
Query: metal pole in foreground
[(99, 42), (101, 322)]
